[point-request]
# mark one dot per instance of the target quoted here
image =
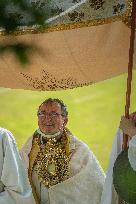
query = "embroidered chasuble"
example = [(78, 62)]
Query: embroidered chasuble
[(63, 170)]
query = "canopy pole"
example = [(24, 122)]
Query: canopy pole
[(129, 78), (130, 66)]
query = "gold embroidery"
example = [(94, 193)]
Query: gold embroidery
[(52, 162), (127, 20), (32, 156), (49, 82)]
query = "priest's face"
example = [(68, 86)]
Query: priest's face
[(51, 118)]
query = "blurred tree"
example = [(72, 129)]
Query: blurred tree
[(15, 14)]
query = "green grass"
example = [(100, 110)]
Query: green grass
[(94, 112)]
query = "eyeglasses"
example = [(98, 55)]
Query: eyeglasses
[(42, 114)]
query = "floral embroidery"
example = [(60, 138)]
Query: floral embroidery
[(96, 4), (75, 16), (76, 1), (118, 8), (88, 13)]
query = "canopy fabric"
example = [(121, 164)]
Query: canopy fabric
[(72, 57)]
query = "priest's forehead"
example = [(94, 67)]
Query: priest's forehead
[(52, 106), (56, 103)]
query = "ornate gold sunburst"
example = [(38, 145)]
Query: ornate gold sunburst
[(52, 160)]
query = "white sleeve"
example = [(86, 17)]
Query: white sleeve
[(13, 176), (132, 152), (24, 152), (109, 195)]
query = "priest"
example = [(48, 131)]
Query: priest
[(61, 168)]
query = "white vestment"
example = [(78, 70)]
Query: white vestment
[(109, 195), (14, 185), (84, 186)]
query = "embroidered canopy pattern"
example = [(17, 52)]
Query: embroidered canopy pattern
[(83, 42), (70, 14)]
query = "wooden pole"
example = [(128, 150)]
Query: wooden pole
[(129, 78), (130, 66)]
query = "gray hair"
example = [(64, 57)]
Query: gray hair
[(56, 100)]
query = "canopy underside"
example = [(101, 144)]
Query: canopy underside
[(72, 57)]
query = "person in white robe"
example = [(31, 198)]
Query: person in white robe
[(127, 126), (62, 169), (14, 184)]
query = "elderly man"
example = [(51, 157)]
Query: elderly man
[(61, 168), (14, 185)]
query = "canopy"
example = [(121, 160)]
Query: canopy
[(85, 42)]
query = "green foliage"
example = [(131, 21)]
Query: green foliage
[(13, 11), (12, 14), (20, 50)]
